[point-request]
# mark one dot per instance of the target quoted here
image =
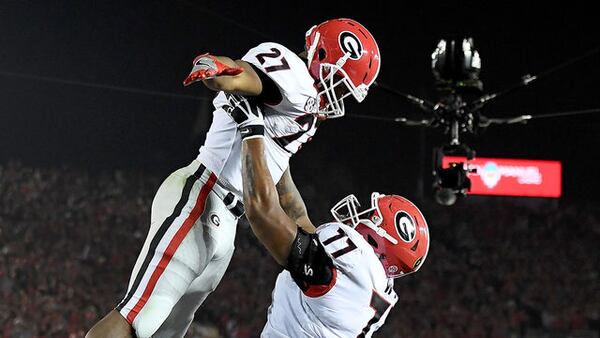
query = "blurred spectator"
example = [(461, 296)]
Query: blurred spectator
[(497, 267)]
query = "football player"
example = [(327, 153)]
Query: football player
[(195, 211), (338, 279)]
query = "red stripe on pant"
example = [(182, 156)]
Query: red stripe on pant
[(173, 245)]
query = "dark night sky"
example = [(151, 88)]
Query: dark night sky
[(149, 45)]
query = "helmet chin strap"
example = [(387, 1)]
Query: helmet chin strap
[(342, 61), (379, 230)]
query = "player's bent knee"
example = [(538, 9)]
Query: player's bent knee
[(112, 325), (152, 316)]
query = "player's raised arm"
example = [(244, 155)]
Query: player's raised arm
[(268, 220), (221, 73)]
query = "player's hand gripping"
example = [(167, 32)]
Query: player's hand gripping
[(207, 67), (247, 115)]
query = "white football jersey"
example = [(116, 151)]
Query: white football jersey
[(357, 304), (288, 123)]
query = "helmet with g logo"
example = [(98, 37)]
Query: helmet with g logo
[(393, 226), (341, 52)]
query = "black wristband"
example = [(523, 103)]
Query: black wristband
[(252, 131)]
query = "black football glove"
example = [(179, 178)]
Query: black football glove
[(247, 115)]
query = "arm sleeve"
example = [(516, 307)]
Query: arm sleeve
[(310, 266)]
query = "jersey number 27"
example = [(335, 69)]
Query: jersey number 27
[(275, 53)]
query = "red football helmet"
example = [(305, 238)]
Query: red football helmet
[(393, 226), (341, 51)]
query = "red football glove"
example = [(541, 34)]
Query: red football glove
[(206, 67)]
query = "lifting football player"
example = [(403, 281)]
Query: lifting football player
[(338, 279)]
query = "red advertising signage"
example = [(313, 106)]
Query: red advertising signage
[(502, 176)]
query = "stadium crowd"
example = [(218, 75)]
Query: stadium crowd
[(496, 268)]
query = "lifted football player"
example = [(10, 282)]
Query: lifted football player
[(196, 209), (338, 278)]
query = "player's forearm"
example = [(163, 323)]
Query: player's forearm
[(222, 83), (246, 83), (259, 190), (269, 222)]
